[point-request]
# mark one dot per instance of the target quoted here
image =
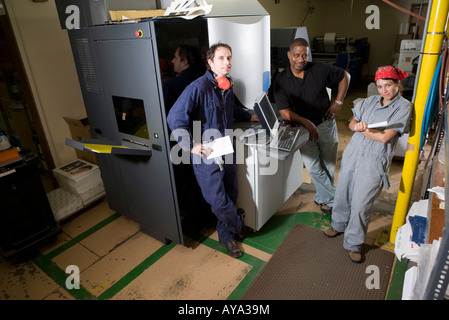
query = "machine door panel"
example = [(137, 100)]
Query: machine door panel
[(130, 86), (90, 83)]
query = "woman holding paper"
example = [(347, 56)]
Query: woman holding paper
[(378, 122)]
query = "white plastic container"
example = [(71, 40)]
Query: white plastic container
[(4, 142)]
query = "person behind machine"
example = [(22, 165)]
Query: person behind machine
[(209, 102), (187, 66), (300, 94), (367, 158)]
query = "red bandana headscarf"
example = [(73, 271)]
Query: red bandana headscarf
[(390, 72)]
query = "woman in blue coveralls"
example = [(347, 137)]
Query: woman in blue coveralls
[(209, 103), (367, 158)]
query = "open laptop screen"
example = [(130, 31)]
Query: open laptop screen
[(267, 115)]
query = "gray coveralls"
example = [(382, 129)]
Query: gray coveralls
[(364, 169)]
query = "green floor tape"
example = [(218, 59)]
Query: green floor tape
[(267, 239), (82, 236), (137, 271), (45, 263), (397, 280)]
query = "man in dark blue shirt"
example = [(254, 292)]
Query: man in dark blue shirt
[(208, 105)]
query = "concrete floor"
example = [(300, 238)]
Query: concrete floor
[(118, 262)]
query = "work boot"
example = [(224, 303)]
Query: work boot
[(324, 208), (331, 232), (233, 248), (355, 256)]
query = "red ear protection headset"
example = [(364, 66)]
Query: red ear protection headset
[(223, 83)]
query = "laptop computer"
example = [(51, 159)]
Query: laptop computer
[(280, 137)]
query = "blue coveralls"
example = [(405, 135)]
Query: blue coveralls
[(364, 169), (215, 108)]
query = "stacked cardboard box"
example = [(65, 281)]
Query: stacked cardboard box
[(82, 179)]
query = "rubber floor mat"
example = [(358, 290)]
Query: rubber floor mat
[(310, 266)]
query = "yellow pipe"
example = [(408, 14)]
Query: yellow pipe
[(429, 61)]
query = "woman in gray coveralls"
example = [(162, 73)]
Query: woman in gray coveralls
[(367, 158)]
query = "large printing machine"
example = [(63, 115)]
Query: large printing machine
[(118, 65)]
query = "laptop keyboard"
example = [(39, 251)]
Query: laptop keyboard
[(286, 139)]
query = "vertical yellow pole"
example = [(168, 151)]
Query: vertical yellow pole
[(432, 47)]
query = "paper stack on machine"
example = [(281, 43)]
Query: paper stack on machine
[(188, 9), (81, 178)]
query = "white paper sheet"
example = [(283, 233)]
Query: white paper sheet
[(220, 147), (188, 9), (409, 283), (439, 191), (378, 125)]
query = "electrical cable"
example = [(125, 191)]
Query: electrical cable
[(434, 105), (431, 102), (309, 10), (404, 10)]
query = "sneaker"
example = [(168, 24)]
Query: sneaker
[(331, 232), (233, 249), (324, 208), (355, 256)]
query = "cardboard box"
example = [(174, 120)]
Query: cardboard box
[(80, 129)]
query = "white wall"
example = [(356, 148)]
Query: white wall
[(47, 57)]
